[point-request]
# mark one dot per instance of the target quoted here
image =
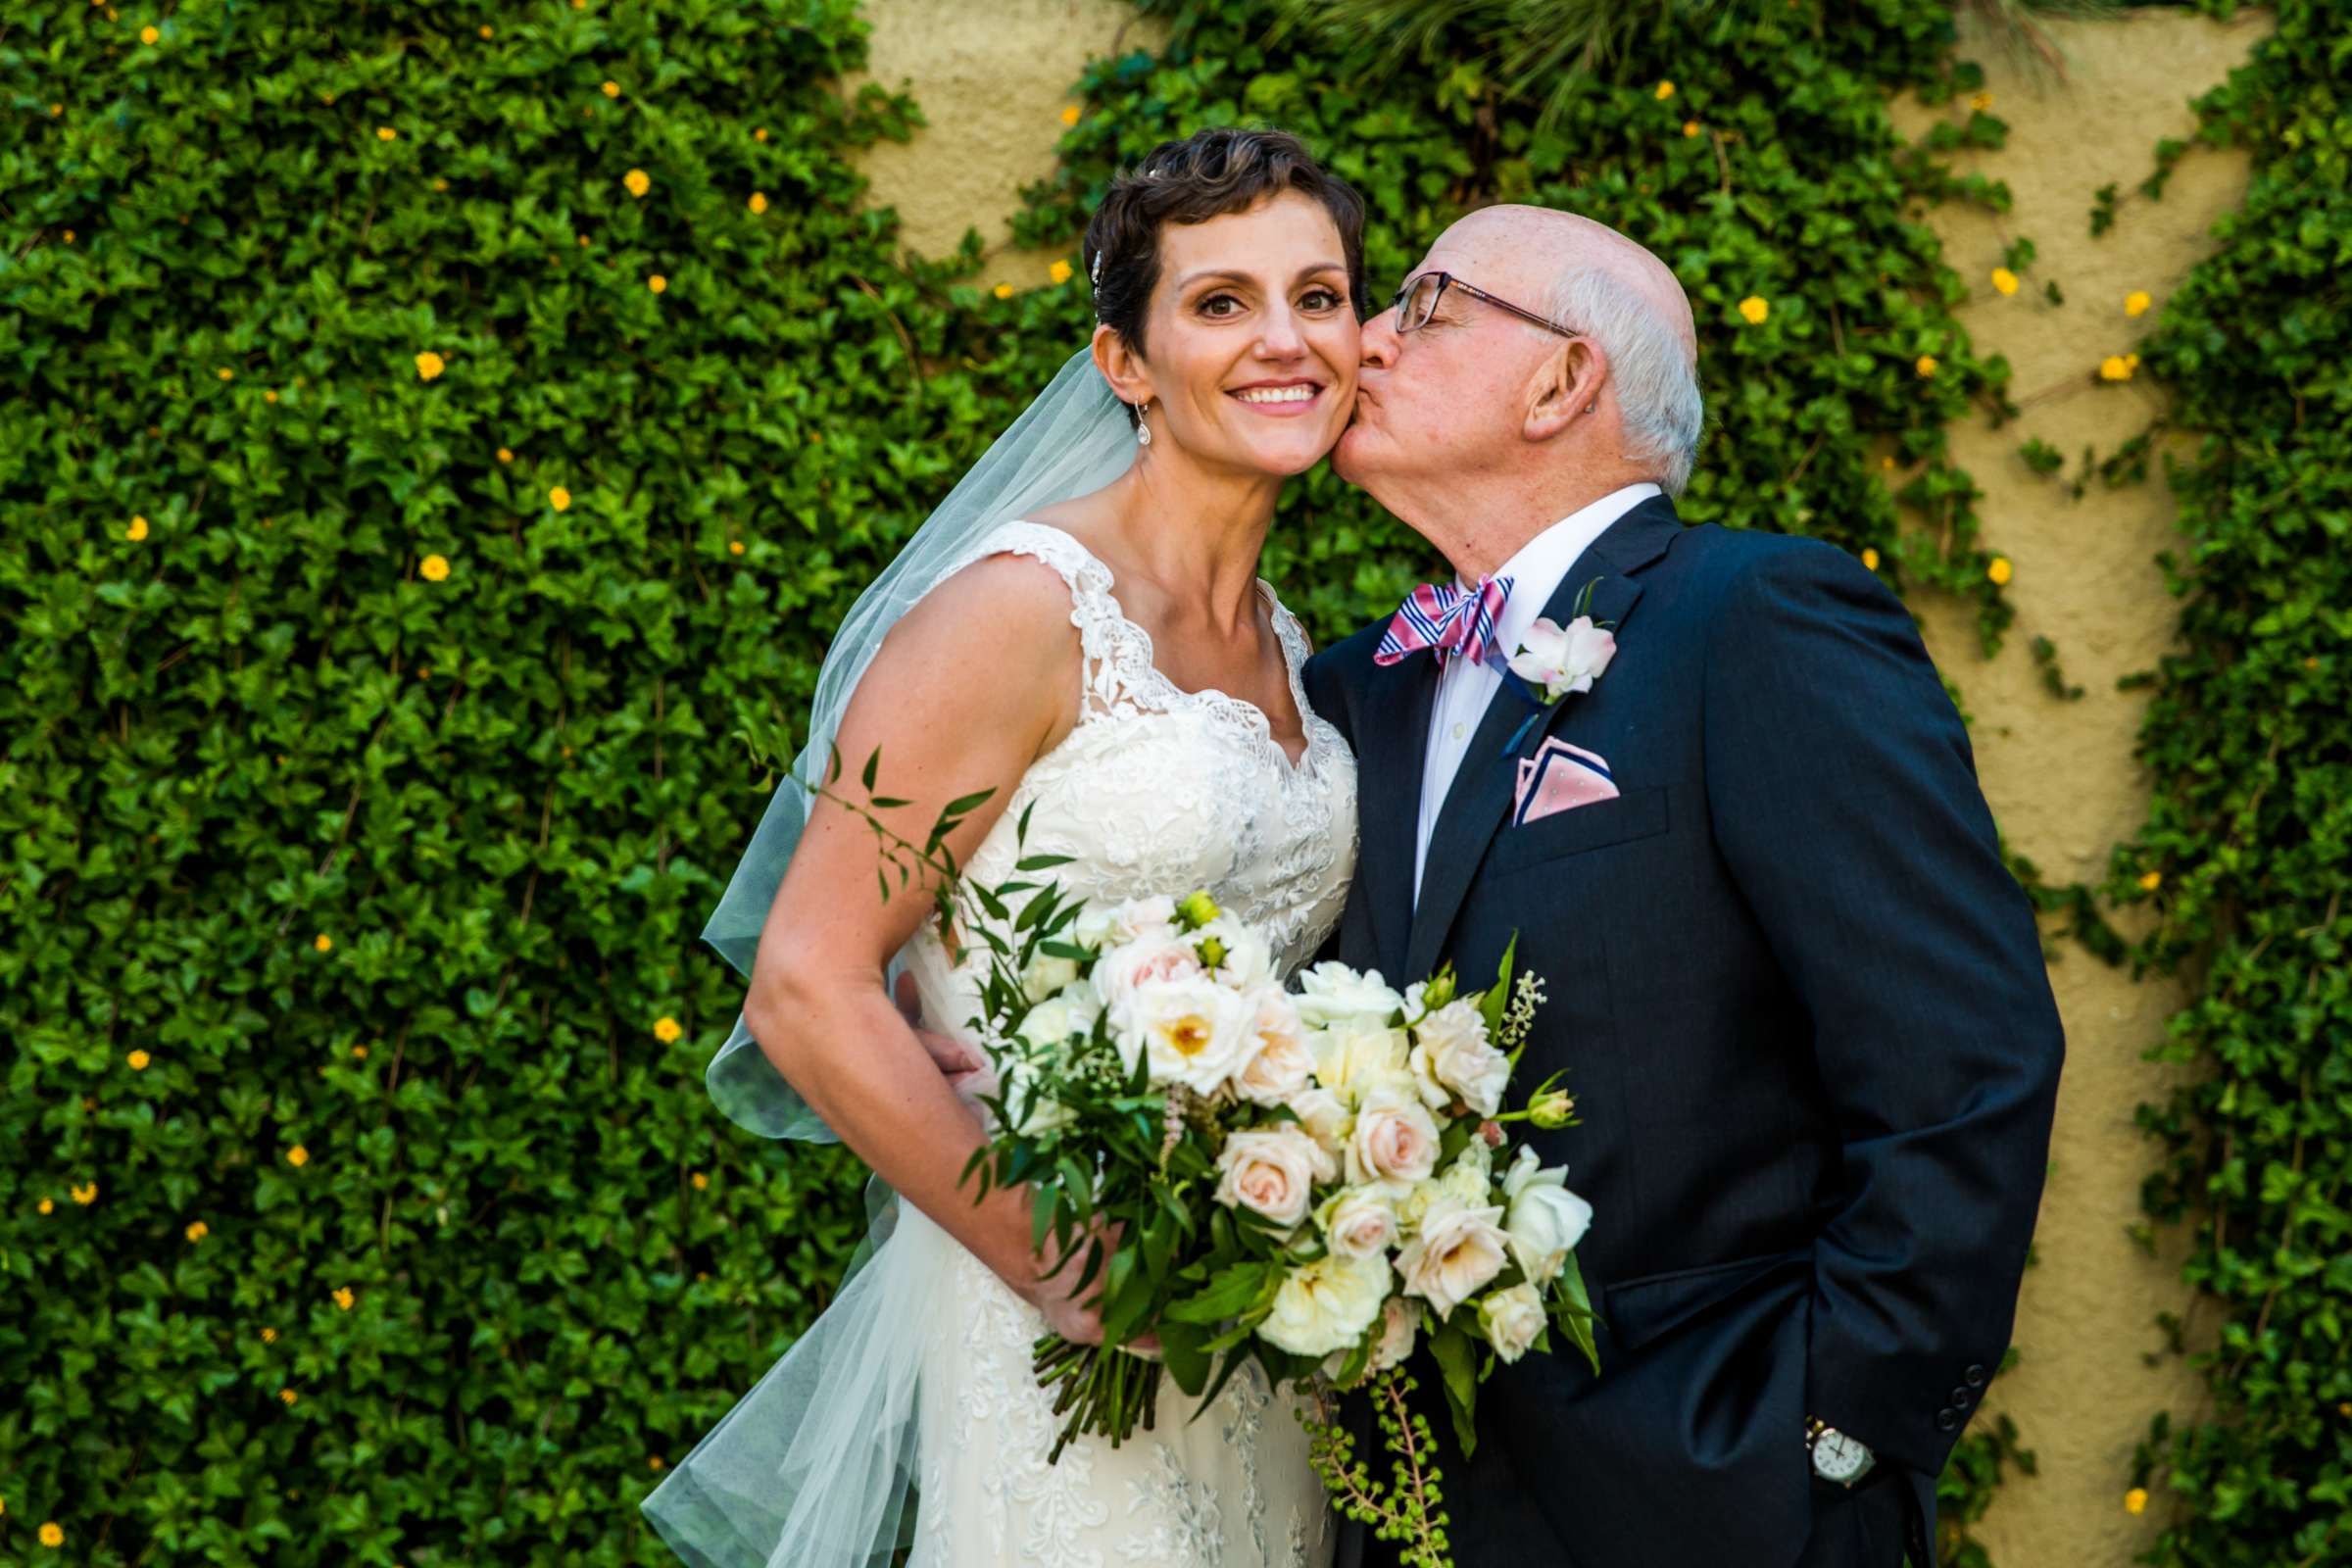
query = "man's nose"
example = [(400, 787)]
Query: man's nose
[(1380, 343)]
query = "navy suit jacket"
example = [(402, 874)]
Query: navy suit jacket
[(1802, 1005)]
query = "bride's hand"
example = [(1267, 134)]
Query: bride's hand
[(966, 1071), (1079, 1318)]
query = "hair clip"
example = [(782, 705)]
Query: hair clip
[(1094, 273)]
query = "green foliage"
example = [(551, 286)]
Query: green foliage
[(507, 794), (2246, 859)]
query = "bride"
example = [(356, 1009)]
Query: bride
[(1079, 628)]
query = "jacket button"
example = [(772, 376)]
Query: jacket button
[(1973, 1376), (1959, 1399), (1946, 1420)]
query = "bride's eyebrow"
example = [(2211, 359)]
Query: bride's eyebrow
[(1227, 274)]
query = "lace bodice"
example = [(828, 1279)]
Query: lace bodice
[(1160, 790)]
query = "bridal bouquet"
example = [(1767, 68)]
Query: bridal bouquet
[(1316, 1181)]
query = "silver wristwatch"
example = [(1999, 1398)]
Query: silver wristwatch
[(1836, 1457)]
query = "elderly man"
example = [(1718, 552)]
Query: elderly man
[(1799, 1000)]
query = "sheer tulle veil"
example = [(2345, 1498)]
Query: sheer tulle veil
[(815, 1467)]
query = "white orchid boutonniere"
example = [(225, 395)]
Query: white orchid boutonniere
[(1558, 660)]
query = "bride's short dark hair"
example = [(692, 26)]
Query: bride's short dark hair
[(1205, 175)]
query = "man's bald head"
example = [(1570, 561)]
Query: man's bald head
[(1547, 241)]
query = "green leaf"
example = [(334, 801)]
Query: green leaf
[(1457, 1365)]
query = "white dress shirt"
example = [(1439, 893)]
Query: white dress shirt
[(1465, 689)]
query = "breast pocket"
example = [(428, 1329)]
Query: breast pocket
[(1635, 814)]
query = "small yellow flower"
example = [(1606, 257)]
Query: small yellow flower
[(1689, 127), (68, 236), (440, 185), (558, 498), (505, 456), (2150, 881), (1069, 113), (47, 1205), (2115, 368), (1060, 271), (1981, 102), (386, 133), (665, 1029), (51, 1535), (636, 182), (486, 30), (1870, 559), (2136, 302), (270, 396), (298, 1156), (658, 283), (136, 531), (2004, 279), (700, 1181), (1886, 462), (1925, 364), (1665, 90), (653, 1462), (324, 943), (1754, 309), (149, 35), (1999, 570), (2135, 1501), (2131, 360), (734, 547), (287, 1394), (198, 1231), (433, 568), (428, 365), (268, 1336), (359, 1052), (760, 134), (583, 242), (1003, 291), (612, 89), (227, 374), (758, 201), (138, 1060), (344, 1298), (85, 1196)]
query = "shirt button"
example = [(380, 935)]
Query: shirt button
[(1457, 732)]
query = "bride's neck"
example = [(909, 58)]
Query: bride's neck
[(1196, 534)]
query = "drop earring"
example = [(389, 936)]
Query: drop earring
[(1143, 431)]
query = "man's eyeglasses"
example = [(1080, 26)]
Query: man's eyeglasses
[(1417, 302)]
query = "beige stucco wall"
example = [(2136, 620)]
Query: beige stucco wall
[(2060, 776)]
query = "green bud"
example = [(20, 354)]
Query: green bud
[(1553, 1108), (1439, 990), (1197, 910)]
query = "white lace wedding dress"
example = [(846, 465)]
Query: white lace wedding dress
[(1155, 790)]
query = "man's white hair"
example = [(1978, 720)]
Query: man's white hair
[(1657, 384)]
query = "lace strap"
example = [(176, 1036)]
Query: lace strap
[(1115, 655)]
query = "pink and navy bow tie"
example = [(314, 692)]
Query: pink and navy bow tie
[(1446, 618)]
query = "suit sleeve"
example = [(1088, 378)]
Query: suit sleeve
[(1844, 799)]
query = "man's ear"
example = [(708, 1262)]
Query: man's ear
[(1565, 387), (1122, 367)]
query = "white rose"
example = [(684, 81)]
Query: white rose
[(1192, 1031), (1056, 1018), (1327, 1305), (1246, 961), (1547, 1220), (1271, 1171), (1280, 1066), (1045, 975), (1394, 1139), (1330, 992), (1458, 1251), (1563, 658), (1400, 1326), (1512, 1319), (1130, 964), (1469, 1180), (1125, 922), (1356, 1053), (1325, 1119), (1462, 1058), (1360, 1221)]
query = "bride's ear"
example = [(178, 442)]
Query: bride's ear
[(1564, 388), (1122, 367)]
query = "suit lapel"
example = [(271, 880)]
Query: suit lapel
[(1392, 738), (1480, 799)]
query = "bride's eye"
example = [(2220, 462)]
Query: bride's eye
[(1212, 307), (1320, 298)]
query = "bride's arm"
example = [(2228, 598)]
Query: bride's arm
[(971, 687)]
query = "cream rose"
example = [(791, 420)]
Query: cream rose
[(1547, 1220), (1332, 992), (1326, 1121), (1399, 1327), (1123, 923), (1191, 1031), (1140, 962), (1394, 1139), (1512, 1319), (1045, 975), (1280, 1065), (1353, 1055), (1360, 1221), (1459, 1250), (1271, 1171), (1327, 1305), (1458, 1055)]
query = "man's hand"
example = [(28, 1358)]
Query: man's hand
[(960, 1065)]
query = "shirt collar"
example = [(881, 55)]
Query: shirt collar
[(1543, 562)]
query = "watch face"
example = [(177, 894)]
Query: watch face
[(1839, 1458)]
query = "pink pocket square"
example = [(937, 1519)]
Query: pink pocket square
[(1559, 777)]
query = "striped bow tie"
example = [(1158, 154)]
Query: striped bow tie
[(1446, 620)]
